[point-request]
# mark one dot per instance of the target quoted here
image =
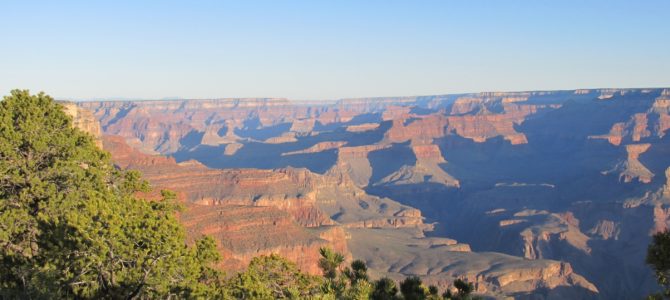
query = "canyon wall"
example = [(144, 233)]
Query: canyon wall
[(524, 193)]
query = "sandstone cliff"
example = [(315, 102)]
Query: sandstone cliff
[(84, 120)]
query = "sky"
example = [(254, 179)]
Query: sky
[(309, 50)]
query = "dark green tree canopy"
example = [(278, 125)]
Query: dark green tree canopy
[(70, 223), (385, 289), (273, 277), (658, 257), (412, 288)]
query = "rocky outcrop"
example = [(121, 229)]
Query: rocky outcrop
[(653, 122), (303, 126), (426, 169), (541, 234), (362, 127), (248, 212), (303, 198), (422, 130), (319, 147), (634, 130), (475, 116), (464, 105), (84, 120), (232, 148), (421, 172), (661, 218), (212, 136), (631, 168), (482, 127), (428, 152), (553, 275), (288, 137), (353, 164), (244, 232), (144, 124), (395, 112), (440, 262), (662, 108), (606, 229), (509, 222), (147, 122), (289, 190)]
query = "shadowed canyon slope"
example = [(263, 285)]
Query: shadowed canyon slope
[(520, 192)]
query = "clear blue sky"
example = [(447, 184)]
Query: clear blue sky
[(329, 49)]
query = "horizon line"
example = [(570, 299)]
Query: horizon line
[(131, 99)]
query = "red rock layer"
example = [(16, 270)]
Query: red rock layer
[(244, 232), (424, 129), (292, 201), (283, 189), (250, 217), (428, 151)]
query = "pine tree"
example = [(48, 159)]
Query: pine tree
[(413, 289), (385, 289)]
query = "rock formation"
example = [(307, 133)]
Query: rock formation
[(631, 168), (84, 120), (516, 176)]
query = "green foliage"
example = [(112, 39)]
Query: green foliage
[(273, 277), (348, 283), (353, 283), (432, 290), (357, 272), (359, 284), (464, 291), (71, 225), (330, 264), (361, 290), (658, 257), (385, 289), (413, 289)]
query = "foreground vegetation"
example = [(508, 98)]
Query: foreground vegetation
[(71, 225), (272, 277)]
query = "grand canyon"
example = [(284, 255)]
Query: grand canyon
[(539, 194)]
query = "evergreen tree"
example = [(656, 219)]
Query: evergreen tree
[(658, 257), (357, 272), (385, 289), (464, 291), (359, 284), (413, 289), (273, 277), (361, 290), (70, 223), (330, 264)]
